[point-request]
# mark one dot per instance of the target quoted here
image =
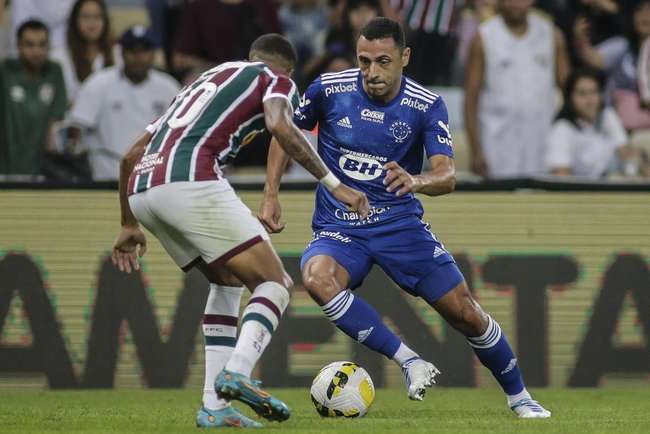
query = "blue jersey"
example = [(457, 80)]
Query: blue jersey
[(357, 136)]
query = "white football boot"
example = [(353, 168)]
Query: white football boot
[(528, 408), (418, 375)]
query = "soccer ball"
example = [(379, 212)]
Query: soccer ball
[(342, 389)]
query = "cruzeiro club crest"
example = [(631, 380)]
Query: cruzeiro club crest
[(401, 130)]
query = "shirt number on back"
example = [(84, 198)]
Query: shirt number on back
[(193, 104)]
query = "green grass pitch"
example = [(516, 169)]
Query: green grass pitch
[(443, 411)]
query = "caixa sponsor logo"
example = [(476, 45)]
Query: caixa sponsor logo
[(339, 88), (414, 103), (372, 116), (354, 216), (361, 168)]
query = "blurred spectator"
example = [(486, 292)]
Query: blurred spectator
[(115, 104), (429, 22), (516, 60), (586, 136), (618, 58), (89, 46), (216, 31), (32, 96), (4, 30), (330, 62), (53, 13), (165, 17), (471, 16), (590, 20), (342, 40), (305, 24)]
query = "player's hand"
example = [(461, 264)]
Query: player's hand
[(478, 164), (354, 199), (399, 180), (269, 214), (129, 245)]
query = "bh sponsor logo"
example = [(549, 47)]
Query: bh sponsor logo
[(442, 139), (372, 116), (360, 168), (414, 103), (340, 88)]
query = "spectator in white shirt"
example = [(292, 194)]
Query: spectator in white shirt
[(115, 104), (89, 44), (587, 139)]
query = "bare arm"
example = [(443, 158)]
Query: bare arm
[(270, 209), (275, 167), (585, 50), (440, 180), (131, 242), (126, 167), (562, 62), (279, 122), (474, 75)]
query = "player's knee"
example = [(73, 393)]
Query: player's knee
[(320, 286), (472, 320)]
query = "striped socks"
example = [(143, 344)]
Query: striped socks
[(359, 320), (494, 352), (220, 333), (259, 321)]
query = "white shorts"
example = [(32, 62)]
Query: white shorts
[(195, 220)]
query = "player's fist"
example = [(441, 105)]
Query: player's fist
[(399, 180), (354, 199), (130, 244), (269, 215)]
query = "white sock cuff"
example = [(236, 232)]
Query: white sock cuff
[(339, 305), (223, 300), (489, 338), (274, 292), (234, 290)]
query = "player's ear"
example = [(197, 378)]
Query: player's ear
[(406, 56)]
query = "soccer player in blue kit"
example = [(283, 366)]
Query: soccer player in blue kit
[(374, 125)]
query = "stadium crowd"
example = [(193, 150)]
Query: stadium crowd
[(550, 88)]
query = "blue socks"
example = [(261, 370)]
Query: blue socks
[(361, 322), (494, 352)]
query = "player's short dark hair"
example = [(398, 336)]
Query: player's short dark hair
[(31, 25), (382, 27), (275, 44)]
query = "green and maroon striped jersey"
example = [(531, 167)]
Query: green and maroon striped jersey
[(207, 124)]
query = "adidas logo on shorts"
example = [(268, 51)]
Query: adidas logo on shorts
[(345, 122)]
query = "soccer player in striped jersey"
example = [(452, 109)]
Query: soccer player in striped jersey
[(374, 127), (171, 182)]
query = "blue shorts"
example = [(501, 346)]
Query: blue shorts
[(405, 249)]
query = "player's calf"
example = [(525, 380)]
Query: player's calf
[(491, 347)]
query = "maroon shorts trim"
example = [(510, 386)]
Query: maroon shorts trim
[(235, 251)]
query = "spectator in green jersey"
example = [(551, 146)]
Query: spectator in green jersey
[(32, 99)]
